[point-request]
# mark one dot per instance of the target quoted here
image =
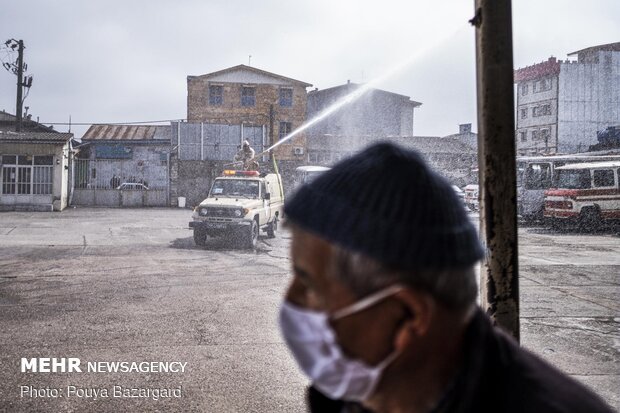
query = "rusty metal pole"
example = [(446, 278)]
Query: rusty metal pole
[(272, 117), (496, 156)]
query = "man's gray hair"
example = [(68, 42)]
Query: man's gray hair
[(455, 288)]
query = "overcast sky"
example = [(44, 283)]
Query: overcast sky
[(107, 61)]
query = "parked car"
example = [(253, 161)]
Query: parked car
[(132, 186), (306, 174), (472, 197)]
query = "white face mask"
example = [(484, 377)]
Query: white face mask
[(312, 341)]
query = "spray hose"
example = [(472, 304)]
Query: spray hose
[(275, 168)]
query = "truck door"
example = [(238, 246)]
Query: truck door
[(266, 210)]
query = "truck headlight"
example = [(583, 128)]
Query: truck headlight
[(202, 211), (238, 213)]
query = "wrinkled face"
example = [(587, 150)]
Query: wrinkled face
[(367, 335)]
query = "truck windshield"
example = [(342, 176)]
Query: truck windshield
[(235, 187), (573, 179)]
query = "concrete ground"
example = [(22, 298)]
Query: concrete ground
[(129, 285)]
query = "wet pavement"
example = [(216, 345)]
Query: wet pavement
[(130, 285)]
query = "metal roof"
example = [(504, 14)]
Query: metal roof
[(434, 144), (34, 137), (253, 69), (28, 125), (312, 168), (350, 86), (581, 156), (592, 165), (549, 67), (128, 133), (609, 47)]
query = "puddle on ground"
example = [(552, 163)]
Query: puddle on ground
[(220, 244)]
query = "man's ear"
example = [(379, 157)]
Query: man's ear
[(419, 308)]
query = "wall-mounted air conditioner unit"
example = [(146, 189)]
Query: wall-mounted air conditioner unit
[(298, 150)]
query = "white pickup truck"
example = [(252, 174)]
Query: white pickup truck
[(240, 204)]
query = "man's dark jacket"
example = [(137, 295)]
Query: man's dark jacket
[(497, 376)]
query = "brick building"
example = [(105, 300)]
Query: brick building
[(561, 105), (450, 156), (253, 97)]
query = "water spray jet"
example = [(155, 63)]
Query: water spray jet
[(366, 87)]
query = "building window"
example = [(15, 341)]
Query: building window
[(286, 97), (541, 110), (523, 136), (248, 96), (8, 179), (24, 176), (27, 175), (535, 135), (9, 159), (524, 89), (524, 113), (216, 95), (285, 129), (41, 180), (541, 85)]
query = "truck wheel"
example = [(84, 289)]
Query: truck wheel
[(589, 219), (272, 228), (556, 224), (200, 237), (252, 235)]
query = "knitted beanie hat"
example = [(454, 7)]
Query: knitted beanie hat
[(386, 203)]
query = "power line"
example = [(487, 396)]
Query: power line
[(244, 118), (111, 123)]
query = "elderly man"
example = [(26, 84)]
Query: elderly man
[(381, 313)]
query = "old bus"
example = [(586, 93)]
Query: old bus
[(585, 192), (536, 174)]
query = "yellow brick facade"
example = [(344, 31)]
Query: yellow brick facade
[(267, 99)]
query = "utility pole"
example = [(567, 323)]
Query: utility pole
[(18, 68), (496, 156), (20, 82)]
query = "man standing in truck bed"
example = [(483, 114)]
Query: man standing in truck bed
[(246, 155)]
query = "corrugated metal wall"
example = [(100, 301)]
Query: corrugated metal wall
[(96, 182), (214, 142)]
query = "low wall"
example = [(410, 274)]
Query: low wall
[(119, 198)]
